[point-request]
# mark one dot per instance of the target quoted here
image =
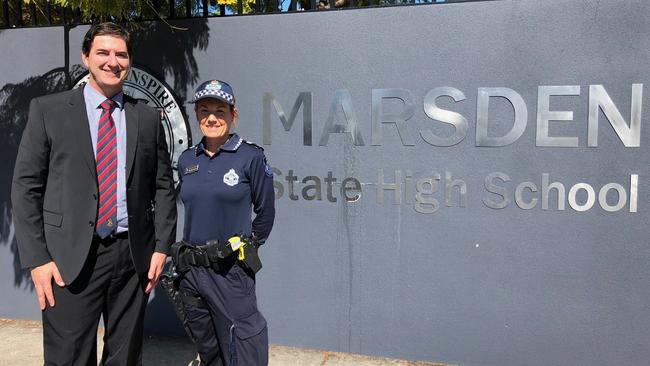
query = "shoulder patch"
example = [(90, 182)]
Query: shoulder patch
[(267, 169)]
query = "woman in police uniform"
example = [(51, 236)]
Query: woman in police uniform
[(223, 178)]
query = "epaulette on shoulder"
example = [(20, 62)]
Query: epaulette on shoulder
[(253, 144), (193, 147)]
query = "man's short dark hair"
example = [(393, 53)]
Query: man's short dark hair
[(104, 29)]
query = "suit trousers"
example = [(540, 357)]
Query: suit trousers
[(107, 287)]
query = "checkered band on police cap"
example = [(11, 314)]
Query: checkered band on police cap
[(214, 89)]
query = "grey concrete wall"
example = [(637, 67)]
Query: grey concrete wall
[(29, 62), (472, 285)]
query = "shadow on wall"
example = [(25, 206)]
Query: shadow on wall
[(167, 49), (14, 107)]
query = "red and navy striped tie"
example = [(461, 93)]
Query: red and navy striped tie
[(106, 161)]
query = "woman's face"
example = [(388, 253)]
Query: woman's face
[(215, 118)]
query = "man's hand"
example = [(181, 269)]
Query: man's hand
[(42, 277), (155, 269)]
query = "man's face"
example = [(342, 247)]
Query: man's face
[(108, 63), (215, 118)]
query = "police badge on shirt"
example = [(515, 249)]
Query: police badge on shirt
[(231, 178)]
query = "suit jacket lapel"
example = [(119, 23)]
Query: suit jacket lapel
[(132, 127), (79, 118)]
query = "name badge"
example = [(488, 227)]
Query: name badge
[(191, 169)]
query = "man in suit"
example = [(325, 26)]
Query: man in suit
[(94, 208)]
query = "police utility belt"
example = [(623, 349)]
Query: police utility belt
[(238, 249), (217, 255)]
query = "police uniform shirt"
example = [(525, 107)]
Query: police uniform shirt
[(218, 192)]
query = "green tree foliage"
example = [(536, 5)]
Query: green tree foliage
[(90, 9), (116, 10), (247, 5), (125, 10), (86, 10)]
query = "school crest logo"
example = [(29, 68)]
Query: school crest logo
[(153, 91), (231, 178)]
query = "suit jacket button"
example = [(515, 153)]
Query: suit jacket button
[(90, 223)]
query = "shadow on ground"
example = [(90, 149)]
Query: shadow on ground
[(166, 351)]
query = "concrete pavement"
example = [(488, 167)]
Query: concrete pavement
[(22, 345)]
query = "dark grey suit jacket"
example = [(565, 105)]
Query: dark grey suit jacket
[(55, 194)]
